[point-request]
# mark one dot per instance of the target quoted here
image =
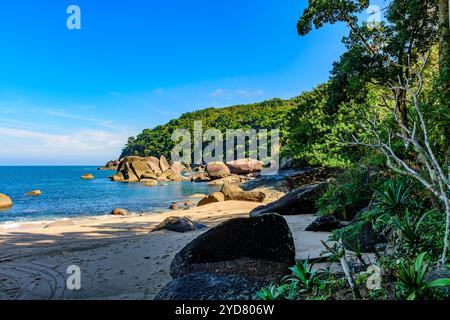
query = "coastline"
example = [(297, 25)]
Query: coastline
[(118, 256)]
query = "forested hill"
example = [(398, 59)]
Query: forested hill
[(264, 115)]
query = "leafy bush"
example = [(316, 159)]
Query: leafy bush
[(393, 199), (349, 193), (412, 281), (412, 229)]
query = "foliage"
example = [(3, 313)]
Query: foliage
[(268, 115), (412, 229), (315, 135), (272, 292), (393, 198), (303, 277), (349, 193), (412, 279)]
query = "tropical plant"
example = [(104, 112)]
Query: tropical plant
[(287, 291), (271, 292), (302, 276), (412, 279), (393, 198), (412, 228)]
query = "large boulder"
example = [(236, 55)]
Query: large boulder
[(234, 192), (299, 201), (153, 163), (5, 201), (178, 224), (260, 247), (169, 175), (213, 198), (164, 164), (118, 177), (210, 286), (177, 169), (149, 174), (326, 223), (128, 172), (135, 169), (217, 170), (245, 166)]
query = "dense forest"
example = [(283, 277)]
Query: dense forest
[(270, 114), (383, 118)]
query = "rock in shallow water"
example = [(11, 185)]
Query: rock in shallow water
[(5, 201), (34, 193), (208, 286), (120, 212), (87, 177)]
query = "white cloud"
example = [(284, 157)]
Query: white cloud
[(222, 93), (83, 145), (250, 93), (218, 93)]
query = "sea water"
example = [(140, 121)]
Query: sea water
[(66, 195)]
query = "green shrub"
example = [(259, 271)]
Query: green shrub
[(349, 193), (412, 229), (412, 280), (303, 277)]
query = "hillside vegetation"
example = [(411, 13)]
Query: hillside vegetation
[(271, 114)]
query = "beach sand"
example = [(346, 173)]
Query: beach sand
[(117, 256)]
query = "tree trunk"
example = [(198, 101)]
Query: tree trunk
[(444, 37), (444, 61), (447, 229)]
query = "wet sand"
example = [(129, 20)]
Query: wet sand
[(118, 256)]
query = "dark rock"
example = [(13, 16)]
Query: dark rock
[(300, 201), (325, 224), (178, 224), (363, 238), (120, 212), (260, 247), (208, 286)]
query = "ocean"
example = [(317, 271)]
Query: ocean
[(66, 195)]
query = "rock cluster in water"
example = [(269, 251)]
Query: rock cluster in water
[(148, 170)]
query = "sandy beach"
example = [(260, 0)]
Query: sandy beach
[(118, 256)]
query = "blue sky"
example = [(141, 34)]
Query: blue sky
[(74, 96)]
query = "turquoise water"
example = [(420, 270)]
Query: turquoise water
[(66, 195)]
